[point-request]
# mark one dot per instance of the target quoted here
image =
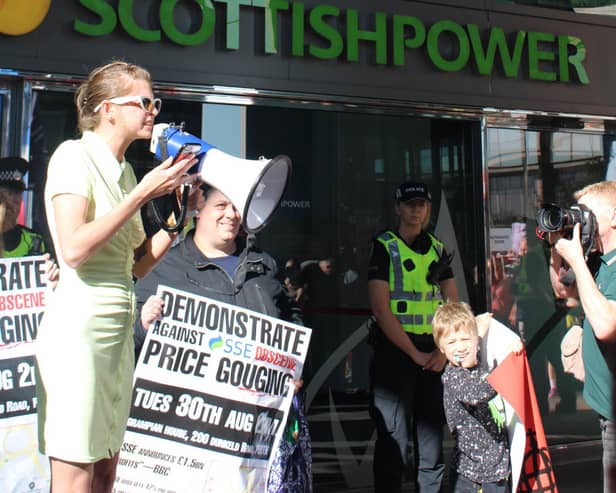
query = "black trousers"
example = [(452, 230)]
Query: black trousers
[(410, 424)]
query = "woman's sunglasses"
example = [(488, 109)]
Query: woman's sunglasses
[(147, 104)]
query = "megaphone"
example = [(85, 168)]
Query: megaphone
[(255, 187)]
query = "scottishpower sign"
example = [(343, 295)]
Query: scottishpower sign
[(328, 32)]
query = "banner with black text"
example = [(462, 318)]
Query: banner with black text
[(212, 391), (23, 291)]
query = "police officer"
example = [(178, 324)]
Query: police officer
[(409, 276), (17, 240)]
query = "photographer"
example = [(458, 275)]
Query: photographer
[(597, 294)]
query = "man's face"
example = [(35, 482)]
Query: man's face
[(219, 222), (11, 199), (605, 214)]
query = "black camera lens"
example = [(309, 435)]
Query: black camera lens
[(551, 218)]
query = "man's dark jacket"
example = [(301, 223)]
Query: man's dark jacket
[(255, 285)]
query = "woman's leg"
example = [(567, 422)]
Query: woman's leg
[(104, 474), (74, 477), (70, 477)]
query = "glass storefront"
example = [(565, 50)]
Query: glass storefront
[(346, 164), (340, 195)]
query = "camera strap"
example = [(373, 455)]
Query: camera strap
[(539, 336)]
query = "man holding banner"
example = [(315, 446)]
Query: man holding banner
[(213, 261), (597, 294)]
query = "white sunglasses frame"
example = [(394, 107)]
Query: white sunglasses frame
[(122, 100)]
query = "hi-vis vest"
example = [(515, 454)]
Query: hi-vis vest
[(30, 243), (412, 299)]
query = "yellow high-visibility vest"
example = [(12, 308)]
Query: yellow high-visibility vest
[(30, 243), (413, 300)]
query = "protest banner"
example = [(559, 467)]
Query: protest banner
[(513, 380), (531, 465), (23, 291), (211, 396)]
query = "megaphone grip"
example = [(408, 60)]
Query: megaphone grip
[(164, 151), (179, 210)]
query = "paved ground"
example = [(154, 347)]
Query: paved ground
[(344, 464)]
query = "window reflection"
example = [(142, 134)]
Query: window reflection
[(525, 169), (511, 148)]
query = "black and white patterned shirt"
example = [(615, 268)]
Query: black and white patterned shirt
[(481, 453)]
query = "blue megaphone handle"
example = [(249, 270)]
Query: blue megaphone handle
[(176, 138), (170, 141)]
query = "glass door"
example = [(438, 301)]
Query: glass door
[(527, 168)]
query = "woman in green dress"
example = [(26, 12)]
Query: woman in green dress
[(85, 344)]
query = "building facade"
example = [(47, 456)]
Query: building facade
[(498, 106)]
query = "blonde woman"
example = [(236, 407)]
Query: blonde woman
[(85, 344)]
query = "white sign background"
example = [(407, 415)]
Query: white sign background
[(23, 292), (211, 397)]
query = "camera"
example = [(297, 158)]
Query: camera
[(551, 219)]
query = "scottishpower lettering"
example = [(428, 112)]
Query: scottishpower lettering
[(328, 32)]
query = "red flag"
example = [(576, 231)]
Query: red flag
[(513, 381)]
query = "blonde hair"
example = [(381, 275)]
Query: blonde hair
[(606, 190), (105, 82), (453, 317)]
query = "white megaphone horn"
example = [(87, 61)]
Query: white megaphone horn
[(255, 187)]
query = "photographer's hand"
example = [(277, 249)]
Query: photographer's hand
[(598, 309), (571, 250), (559, 267)]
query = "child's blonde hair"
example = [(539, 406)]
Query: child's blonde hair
[(453, 317)]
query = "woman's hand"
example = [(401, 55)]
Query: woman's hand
[(436, 361), (167, 177), (151, 311), (419, 358)]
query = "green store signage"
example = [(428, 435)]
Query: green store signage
[(534, 55)]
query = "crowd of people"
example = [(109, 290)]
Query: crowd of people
[(425, 372)]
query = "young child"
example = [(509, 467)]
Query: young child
[(480, 460)]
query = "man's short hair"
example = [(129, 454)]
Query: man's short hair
[(451, 318), (604, 189)]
